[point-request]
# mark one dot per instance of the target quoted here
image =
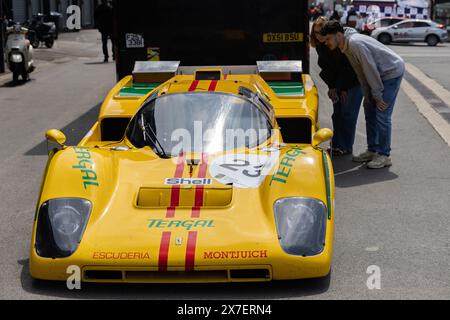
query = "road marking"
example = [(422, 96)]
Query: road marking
[(431, 84), (439, 124)]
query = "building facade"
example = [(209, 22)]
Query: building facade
[(22, 10)]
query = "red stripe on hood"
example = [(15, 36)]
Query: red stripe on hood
[(194, 85), (164, 251), (176, 190), (213, 86), (200, 191), (190, 250)]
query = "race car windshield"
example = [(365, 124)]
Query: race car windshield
[(198, 122)]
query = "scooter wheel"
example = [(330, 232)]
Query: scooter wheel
[(15, 77), (49, 43)]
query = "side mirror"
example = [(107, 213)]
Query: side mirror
[(321, 136), (56, 136)]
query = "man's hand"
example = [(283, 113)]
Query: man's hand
[(333, 95), (381, 105)]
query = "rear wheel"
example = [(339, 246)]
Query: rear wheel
[(384, 38), (35, 43), (432, 40)]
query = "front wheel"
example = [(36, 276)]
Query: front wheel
[(432, 41), (35, 43), (15, 77), (49, 43), (384, 38)]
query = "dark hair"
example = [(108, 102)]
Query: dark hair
[(332, 27)]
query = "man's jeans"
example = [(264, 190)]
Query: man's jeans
[(345, 117), (379, 123), (105, 36)]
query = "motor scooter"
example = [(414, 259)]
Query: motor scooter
[(40, 31), (19, 53)]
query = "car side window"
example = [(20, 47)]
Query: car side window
[(394, 21), (405, 25), (385, 23), (420, 24)]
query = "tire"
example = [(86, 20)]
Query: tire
[(49, 43), (432, 40), (35, 44), (385, 38), (15, 77)]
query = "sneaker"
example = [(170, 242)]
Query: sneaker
[(365, 157), (105, 60), (379, 162)]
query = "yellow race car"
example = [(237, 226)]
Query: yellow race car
[(192, 175)]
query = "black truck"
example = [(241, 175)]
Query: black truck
[(210, 33)]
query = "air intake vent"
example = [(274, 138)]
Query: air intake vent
[(159, 197), (207, 275), (102, 275), (208, 75), (295, 130), (249, 274)]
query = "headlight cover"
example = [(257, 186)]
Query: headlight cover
[(61, 226), (301, 224)]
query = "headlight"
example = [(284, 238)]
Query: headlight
[(61, 226), (301, 224), (16, 58)]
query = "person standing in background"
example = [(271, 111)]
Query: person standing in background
[(380, 72), (344, 90), (104, 22)]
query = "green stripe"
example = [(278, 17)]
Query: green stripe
[(137, 89), (327, 182), (282, 88)]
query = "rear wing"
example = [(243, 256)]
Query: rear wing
[(210, 33), (284, 77)]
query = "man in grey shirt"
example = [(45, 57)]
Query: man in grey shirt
[(380, 72)]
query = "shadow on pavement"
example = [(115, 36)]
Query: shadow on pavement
[(350, 174), (343, 164), (12, 84), (231, 291), (75, 131), (94, 63)]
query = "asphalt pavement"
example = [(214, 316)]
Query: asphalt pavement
[(395, 219)]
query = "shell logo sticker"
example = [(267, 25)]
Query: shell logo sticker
[(244, 171)]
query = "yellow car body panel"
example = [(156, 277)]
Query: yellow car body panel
[(133, 235)]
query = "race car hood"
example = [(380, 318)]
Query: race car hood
[(142, 204)]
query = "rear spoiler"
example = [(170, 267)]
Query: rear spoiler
[(161, 71)]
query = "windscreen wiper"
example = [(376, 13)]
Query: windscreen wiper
[(144, 126)]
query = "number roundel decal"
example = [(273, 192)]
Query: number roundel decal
[(243, 170)]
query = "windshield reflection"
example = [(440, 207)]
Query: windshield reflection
[(199, 122)]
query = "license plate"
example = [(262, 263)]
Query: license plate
[(282, 37)]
